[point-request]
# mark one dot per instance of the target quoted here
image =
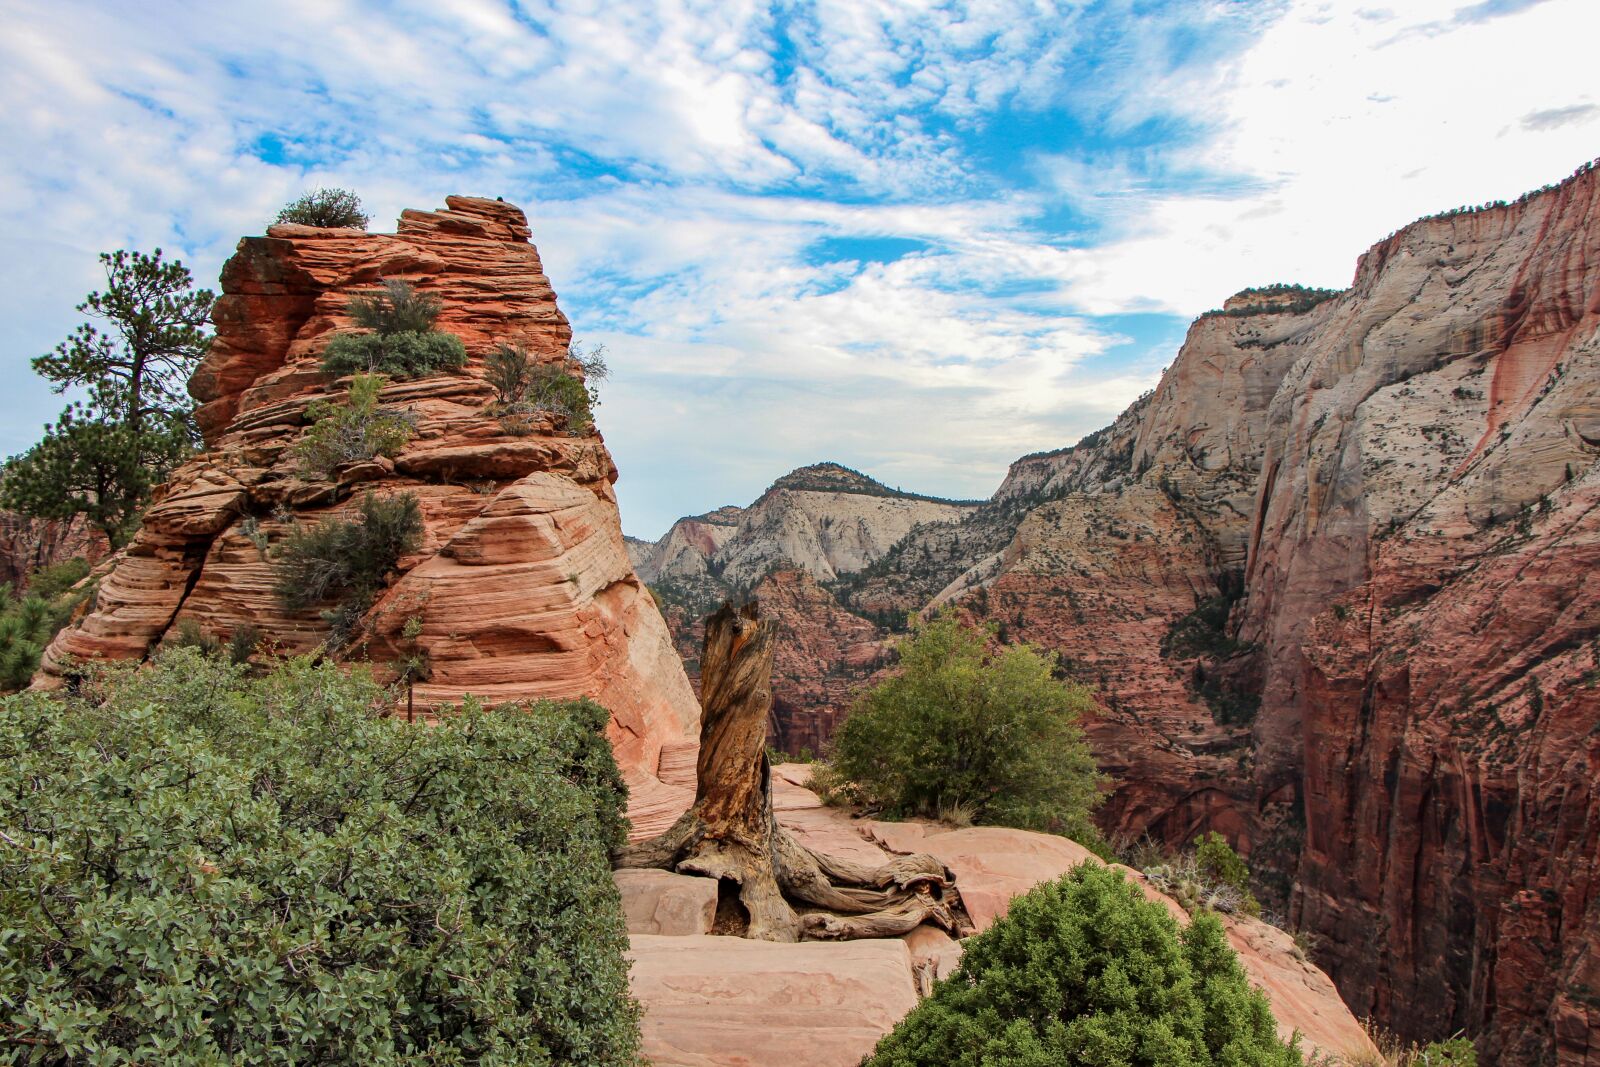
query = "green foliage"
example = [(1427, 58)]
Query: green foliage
[(1456, 1052), (328, 208), (208, 869), (403, 342), (104, 456), (1085, 971), (28, 623), (524, 388), (347, 559), (395, 308), (400, 355), (1211, 877), (992, 732), (353, 431), (57, 579)]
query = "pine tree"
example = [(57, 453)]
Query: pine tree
[(104, 455)]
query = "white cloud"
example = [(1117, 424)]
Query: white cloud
[(680, 159)]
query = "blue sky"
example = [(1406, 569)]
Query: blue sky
[(921, 239)]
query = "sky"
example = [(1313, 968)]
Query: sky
[(921, 239)]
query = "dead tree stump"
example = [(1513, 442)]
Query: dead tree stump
[(787, 890)]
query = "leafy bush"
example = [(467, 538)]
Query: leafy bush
[(524, 388), (960, 726), (353, 431), (1084, 970), (29, 623), (403, 341), (1211, 877), (56, 579), (208, 869), (347, 559), (328, 208)]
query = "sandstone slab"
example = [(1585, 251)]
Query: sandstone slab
[(728, 1002), (660, 902)]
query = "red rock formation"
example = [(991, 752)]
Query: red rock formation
[(522, 587), (1382, 499), (26, 544)]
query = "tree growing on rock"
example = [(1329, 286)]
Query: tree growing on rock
[(965, 727), (326, 208), (104, 455), (786, 890)]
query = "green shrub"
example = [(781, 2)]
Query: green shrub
[(207, 869), (402, 355), (992, 732), (354, 431), (1456, 1052), (347, 559), (57, 579), (328, 208), (524, 388), (403, 342), (1210, 877), (1084, 970), (29, 623)]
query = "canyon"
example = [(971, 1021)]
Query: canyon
[(1332, 582)]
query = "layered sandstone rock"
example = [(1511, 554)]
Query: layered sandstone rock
[(521, 588), (727, 1001)]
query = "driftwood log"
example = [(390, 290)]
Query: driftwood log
[(788, 892)]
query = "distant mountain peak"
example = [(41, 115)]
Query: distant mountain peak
[(832, 478)]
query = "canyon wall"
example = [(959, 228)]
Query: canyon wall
[(1333, 581), (521, 588)]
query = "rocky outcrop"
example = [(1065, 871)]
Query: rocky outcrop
[(730, 1001), (521, 588)]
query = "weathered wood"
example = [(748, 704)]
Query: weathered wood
[(731, 832)]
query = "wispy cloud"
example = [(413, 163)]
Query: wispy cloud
[(906, 236)]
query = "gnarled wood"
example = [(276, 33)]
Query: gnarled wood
[(731, 832)]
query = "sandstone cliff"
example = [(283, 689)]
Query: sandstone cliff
[(522, 587), (1332, 578), (26, 544)]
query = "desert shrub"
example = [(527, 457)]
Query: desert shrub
[(28, 623), (353, 431), (524, 388), (347, 559), (1210, 877), (189, 634), (328, 208), (1084, 970), (210, 869), (988, 731), (403, 342)]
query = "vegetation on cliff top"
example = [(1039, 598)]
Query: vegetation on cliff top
[(986, 734), (1084, 970), (203, 868), (326, 208)]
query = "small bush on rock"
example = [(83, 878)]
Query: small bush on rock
[(354, 431), (347, 559), (1212, 877), (961, 726), (1084, 970), (209, 869), (403, 342), (524, 388), (327, 208)]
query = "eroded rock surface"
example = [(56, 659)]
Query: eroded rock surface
[(522, 587)]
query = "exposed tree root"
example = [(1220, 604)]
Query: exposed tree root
[(788, 891)]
